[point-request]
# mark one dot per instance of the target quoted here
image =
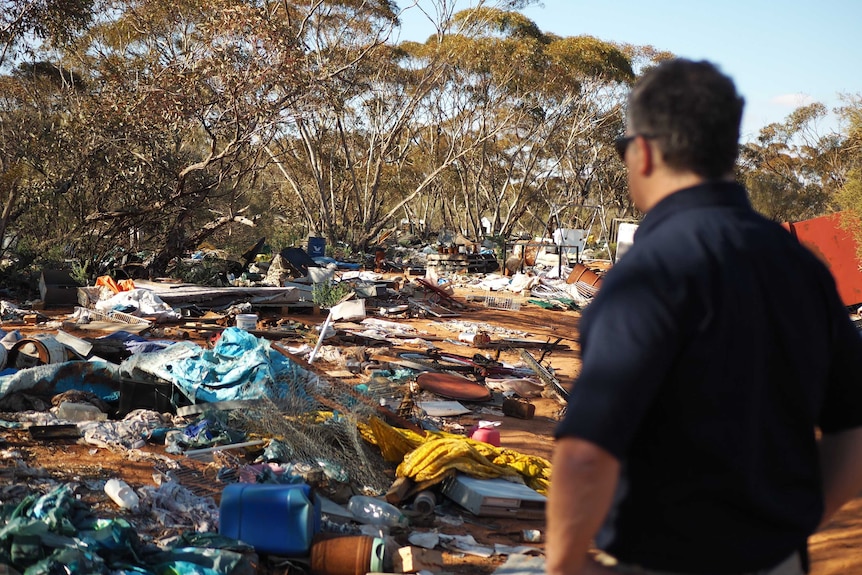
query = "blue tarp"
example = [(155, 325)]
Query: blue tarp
[(239, 366), (98, 377)]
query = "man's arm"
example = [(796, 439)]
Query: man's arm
[(583, 482), (841, 469)]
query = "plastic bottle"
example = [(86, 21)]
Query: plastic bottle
[(376, 511), (425, 502), (122, 494)]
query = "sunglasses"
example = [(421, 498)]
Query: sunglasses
[(621, 144)]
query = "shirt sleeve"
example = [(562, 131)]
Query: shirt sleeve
[(630, 337)]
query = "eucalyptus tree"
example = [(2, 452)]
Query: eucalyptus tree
[(26, 24), (346, 157), (38, 153), (849, 195), (544, 108), (791, 170), (186, 91), (32, 92)]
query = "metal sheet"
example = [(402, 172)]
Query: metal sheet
[(828, 239)]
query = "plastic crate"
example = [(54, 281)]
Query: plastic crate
[(117, 316), (503, 303), (161, 397)]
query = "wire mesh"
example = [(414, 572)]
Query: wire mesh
[(334, 444)]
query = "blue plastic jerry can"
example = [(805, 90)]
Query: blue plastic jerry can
[(274, 519)]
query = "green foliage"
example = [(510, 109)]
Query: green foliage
[(586, 56), (790, 171), (80, 273), (850, 198), (496, 21), (850, 193), (327, 294), (209, 271), (282, 235)]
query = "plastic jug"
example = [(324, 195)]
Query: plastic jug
[(276, 519), (122, 494)]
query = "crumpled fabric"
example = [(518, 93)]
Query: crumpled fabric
[(97, 377), (430, 459), (135, 343), (127, 433), (210, 429), (523, 282), (172, 504), (57, 533)]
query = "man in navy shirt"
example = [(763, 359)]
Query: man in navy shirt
[(716, 420)]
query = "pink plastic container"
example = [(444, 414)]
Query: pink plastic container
[(487, 435)]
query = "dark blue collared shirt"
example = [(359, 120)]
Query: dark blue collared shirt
[(711, 353)]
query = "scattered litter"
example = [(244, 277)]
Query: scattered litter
[(426, 540), (466, 544), (442, 408), (520, 564), (502, 303), (245, 408)]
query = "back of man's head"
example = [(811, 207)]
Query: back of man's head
[(693, 113)]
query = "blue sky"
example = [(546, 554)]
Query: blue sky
[(780, 53)]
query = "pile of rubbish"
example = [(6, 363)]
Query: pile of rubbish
[(302, 463)]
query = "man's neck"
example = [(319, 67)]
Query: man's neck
[(667, 184)]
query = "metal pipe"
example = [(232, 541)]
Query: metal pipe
[(320, 339)]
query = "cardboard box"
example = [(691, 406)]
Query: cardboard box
[(495, 497), (415, 559)]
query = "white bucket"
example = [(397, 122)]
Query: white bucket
[(246, 321)]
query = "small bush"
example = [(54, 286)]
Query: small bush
[(327, 294)]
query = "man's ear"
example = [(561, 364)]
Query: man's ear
[(644, 156)]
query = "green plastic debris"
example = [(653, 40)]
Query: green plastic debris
[(57, 533)]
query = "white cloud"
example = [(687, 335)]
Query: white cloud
[(792, 100)]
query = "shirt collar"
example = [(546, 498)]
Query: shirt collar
[(708, 194)]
